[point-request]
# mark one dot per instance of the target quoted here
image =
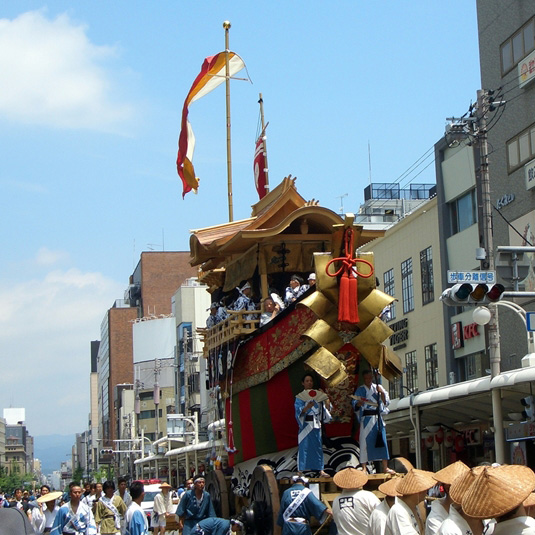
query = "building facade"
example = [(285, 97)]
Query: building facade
[(148, 295), (507, 60)]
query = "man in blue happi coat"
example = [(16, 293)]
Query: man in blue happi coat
[(74, 517), (298, 504), (370, 402), (311, 411), (195, 505), (217, 526)]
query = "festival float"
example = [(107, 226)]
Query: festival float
[(333, 329)]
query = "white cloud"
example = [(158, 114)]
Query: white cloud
[(46, 257), (56, 75), (46, 326)]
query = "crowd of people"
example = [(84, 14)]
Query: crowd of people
[(101, 509), (271, 305), (484, 500)]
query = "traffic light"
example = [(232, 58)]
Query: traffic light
[(108, 451), (472, 294), (529, 412)]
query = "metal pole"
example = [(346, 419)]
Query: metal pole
[(196, 435), (264, 145), (486, 241), (226, 26)]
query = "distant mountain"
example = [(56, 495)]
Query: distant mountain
[(52, 450)]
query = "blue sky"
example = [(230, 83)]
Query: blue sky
[(90, 105)]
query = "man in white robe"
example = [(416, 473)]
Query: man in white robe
[(441, 506), (499, 492), (353, 507), (43, 516), (404, 517), (378, 517)]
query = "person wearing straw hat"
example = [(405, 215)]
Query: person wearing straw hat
[(298, 504), (529, 505), (404, 517), (195, 505), (43, 516), (163, 508), (378, 517), (353, 507), (499, 493), (440, 507), (457, 521)]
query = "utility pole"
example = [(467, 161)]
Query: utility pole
[(486, 242), (475, 127), (157, 396)]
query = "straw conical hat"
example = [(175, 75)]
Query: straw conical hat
[(389, 488), (416, 481), (530, 500), (49, 496), (448, 474), (165, 485), (496, 491), (462, 483), (350, 478)]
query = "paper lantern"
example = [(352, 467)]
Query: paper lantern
[(458, 443), (448, 439), (439, 436), (429, 441)]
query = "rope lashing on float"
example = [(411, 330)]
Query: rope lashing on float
[(348, 299)]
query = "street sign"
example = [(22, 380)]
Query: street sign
[(530, 321), (455, 277)]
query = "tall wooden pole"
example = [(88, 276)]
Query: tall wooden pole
[(264, 145), (226, 26)]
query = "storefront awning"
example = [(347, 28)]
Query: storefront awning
[(194, 447), (460, 404)]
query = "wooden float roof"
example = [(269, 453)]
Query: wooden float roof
[(281, 212)]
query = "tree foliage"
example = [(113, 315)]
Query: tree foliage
[(14, 480)]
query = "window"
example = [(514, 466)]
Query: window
[(521, 149), (145, 415), (394, 388), (426, 268), (518, 46), (431, 366), (412, 371), (407, 287), (463, 212), (389, 288), (470, 367)]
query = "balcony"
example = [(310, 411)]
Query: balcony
[(236, 326)]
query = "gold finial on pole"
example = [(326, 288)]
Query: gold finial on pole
[(226, 26)]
